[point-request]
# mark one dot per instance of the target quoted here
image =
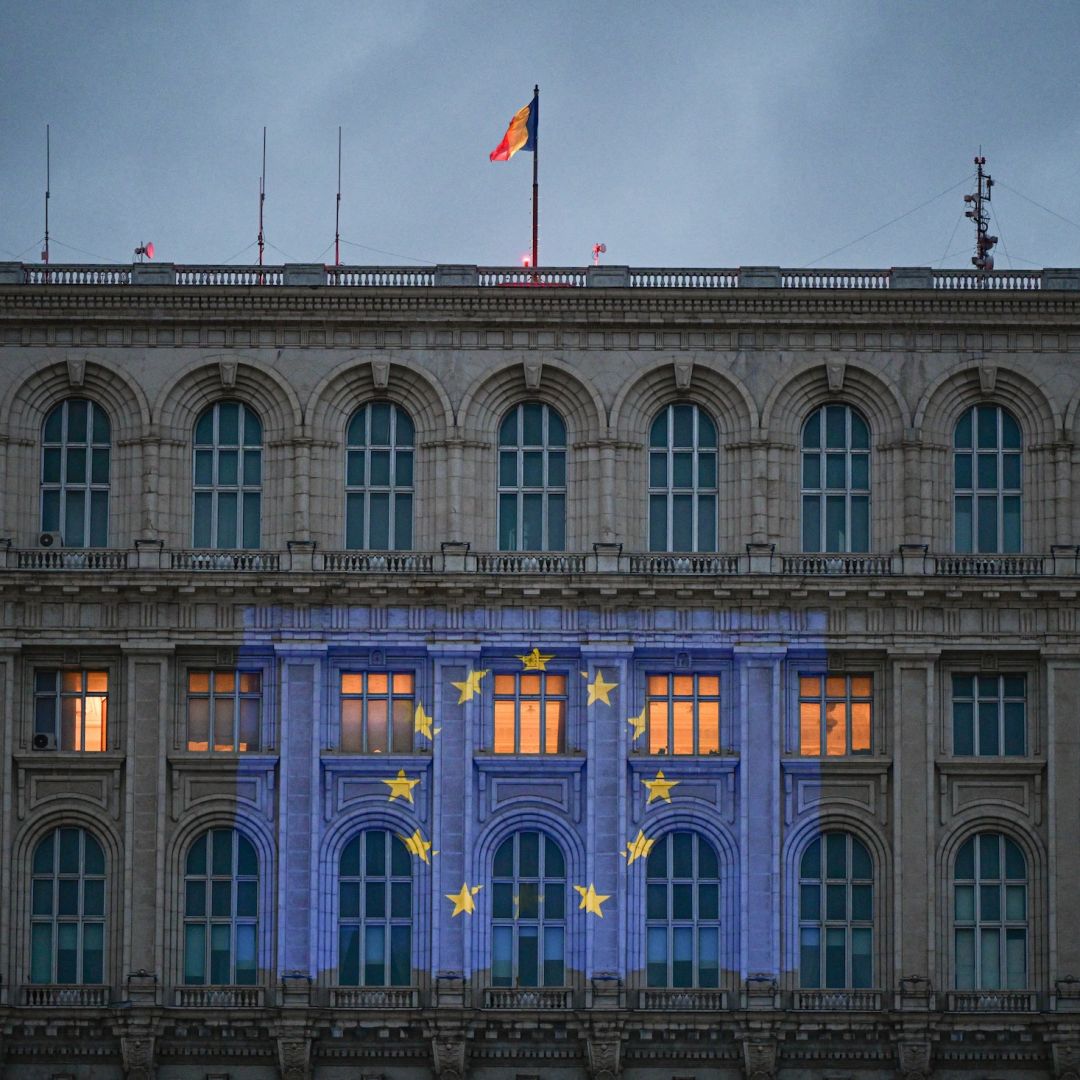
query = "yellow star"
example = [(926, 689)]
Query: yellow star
[(599, 690), (418, 846), (638, 723), (470, 687), (401, 786), (535, 661), (659, 788), (422, 723), (591, 899), (463, 901), (638, 848)]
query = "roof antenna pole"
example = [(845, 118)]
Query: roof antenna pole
[(45, 253), (982, 259), (337, 212), (262, 199)]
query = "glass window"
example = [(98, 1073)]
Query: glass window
[(532, 479), (227, 477), (375, 911), (990, 914), (682, 480), (836, 914), (75, 448), (71, 709), (528, 912), (836, 481), (530, 713), (835, 714), (221, 910), (683, 713), (377, 712), (67, 909), (224, 711), (989, 715), (682, 912), (986, 481), (379, 478)]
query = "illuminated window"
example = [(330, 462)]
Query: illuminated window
[(990, 914), (528, 912), (683, 714), (989, 715), (682, 910), (530, 713), (835, 714), (375, 911), (67, 909), (379, 479), (71, 708), (228, 477), (682, 480), (75, 446), (221, 910), (836, 914), (836, 480), (224, 711), (377, 712), (986, 480), (532, 479)]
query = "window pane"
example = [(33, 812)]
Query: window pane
[(556, 522), (812, 431), (963, 523), (400, 955), (553, 956), (93, 958), (245, 954), (227, 523), (965, 959), (988, 523), (962, 471), (682, 522), (835, 433), (861, 958), (682, 956), (990, 959), (809, 957), (964, 903), (349, 955), (1016, 959), (963, 728), (656, 956), (835, 957), (810, 902), (374, 956), (708, 956), (658, 535), (811, 509), (220, 952), (988, 728), (1011, 524), (528, 956)]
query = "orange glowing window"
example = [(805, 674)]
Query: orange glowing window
[(71, 710), (835, 715), (224, 711), (683, 714), (377, 710), (530, 713)]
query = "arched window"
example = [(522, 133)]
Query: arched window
[(682, 912), (75, 442), (986, 479), (835, 480), (682, 480), (375, 911), (836, 914), (379, 479), (67, 909), (990, 914), (221, 910), (528, 912), (532, 479), (228, 477)]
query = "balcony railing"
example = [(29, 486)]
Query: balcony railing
[(219, 997), (377, 562), (374, 997), (505, 562), (814, 565), (1001, 1001), (684, 564), (225, 561), (528, 998), (683, 1000), (989, 565), (71, 559), (60, 996), (837, 1000)]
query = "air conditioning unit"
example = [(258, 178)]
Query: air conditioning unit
[(50, 539), (43, 741)]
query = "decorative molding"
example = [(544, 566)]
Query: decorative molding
[(533, 369), (684, 371), (294, 1058), (448, 1057), (987, 378), (913, 1059), (380, 372), (834, 372), (76, 367), (759, 1060), (1066, 1057), (227, 371), (138, 1056), (604, 1057)]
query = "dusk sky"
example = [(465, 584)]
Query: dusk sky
[(679, 134)]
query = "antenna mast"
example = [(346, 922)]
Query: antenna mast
[(48, 170), (262, 199), (337, 212), (982, 259)]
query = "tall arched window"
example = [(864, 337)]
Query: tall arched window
[(682, 912), (682, 480), (532, 479), (528, 912), (379, 478), (67, 909), (990, 914), (228, 477), (75, 444), (836, 914), (986, 479), (375, 911), (835, 480), (221, 910)]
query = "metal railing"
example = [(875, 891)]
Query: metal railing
[(374, 997), (837, 1000), (57, 995), (219, 997), (683, 1000), (1009, 1001), (531, 998)]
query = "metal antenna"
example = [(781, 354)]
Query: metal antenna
[(982, 259), (48, 170), (337, 212), (262, 199)]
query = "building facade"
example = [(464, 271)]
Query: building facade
[(609, 673)]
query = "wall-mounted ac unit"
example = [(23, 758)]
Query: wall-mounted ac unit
[(50, 539), (43, 741)]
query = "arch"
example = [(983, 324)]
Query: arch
[(34, 831), (219, 814), (685, 818), (530, 817), (980, 820)]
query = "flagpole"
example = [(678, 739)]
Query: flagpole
[(536, 185)]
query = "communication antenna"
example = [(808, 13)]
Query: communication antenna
[(337, 211), (45, 253), (262, 199), (145, 251), (597, 251), (982, 259)]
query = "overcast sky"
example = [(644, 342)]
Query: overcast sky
[(679, 134)]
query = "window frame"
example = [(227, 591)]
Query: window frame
[(550, 494), (696, 697), (391, 671), (821, 493), (975, 492), (823, 698), (94, 533), (365, 489), (1002, 701), (543, 697), (212, 696), (58, 695), (215, 487)]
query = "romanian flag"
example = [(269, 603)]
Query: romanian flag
[(521, 134)]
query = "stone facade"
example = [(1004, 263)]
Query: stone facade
[(758, 353)]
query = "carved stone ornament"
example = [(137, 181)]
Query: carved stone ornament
[(227, 371), (604, 1058), (1066, 1061), (76, 370), (294, 1058), (684, 371), (138, 1054), (448, 1057), (533, 368), (759, 1060), (914, 1060), (834, 372), (380, 373), (987, 378)]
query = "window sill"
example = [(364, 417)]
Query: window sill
[(515, 764), (78, 759)]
